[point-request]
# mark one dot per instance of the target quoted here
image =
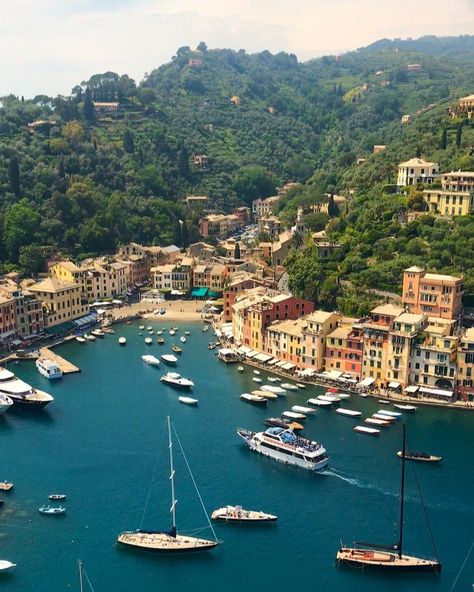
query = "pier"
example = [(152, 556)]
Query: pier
[(66, 366)]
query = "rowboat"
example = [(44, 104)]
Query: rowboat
[(176, 349), (188, 400), (384, 417), (344, 395), (293, 415), (257, 379), (255, 399), (378, 422), (419, 456), (57, 497), (319, 403), (266, 394), (6, 486), (238, 514), (384, 402), (406, 408), (329, 398), (348, 412), (289, 387), (273, 389), (305, 410), (395, 414), (52, 510), (364, 430)]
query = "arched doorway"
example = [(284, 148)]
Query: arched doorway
[(444, 383)]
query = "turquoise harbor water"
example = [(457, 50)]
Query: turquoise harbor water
[(98, 443)]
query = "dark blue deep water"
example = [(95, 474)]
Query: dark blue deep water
[(104, 435)]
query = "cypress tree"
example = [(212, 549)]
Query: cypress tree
[(444, 140), (128, 142), (237, 251), (458, 135), (88, 107), (61, 169), (14, 175)]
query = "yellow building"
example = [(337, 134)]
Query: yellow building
[(403, 333), (62, 301), (318, 325), (465, 362), (283, 340), (67, 271), (104, 279), (448, 203)]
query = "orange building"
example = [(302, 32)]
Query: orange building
[(431, 293), (344, 348), (7, 318)]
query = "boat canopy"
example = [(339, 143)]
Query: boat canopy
[(15, 387), (367, 381), (90, 318), (412, 388)]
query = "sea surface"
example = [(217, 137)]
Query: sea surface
[(103, 443)]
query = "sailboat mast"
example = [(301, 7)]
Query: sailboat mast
[(173, 500), (81, 587), (402, 495)]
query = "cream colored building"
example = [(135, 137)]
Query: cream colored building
[(283, 340), (456, 196), (62, 301), (313, 344), (402, 336), (466, 106), (161, 276), (415, 171), (104, 278), (465, 361)]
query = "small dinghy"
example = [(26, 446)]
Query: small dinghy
[(169, 359), (344, 395), (273, 389), (240, 368), (188, 400), (257, 372), (57, 497), (406, 408), (141, 327), (152, 360), (80, 339), (89, 337), (395, 414), (329, 398), (160, 332), (149, 328), (238, 514), (319, 403), (172, 332), (6, 565), (266, 394), (300, 385), (348, 412), (363, 395), (176, 349), (52, 510), (148, 340), (122, 341), (289, 387), (182, 339), (257, 379), (160, 341), (305, 410), (384, 417), (205, 329), (272, 379), (384, 402), (278, 422), (419, 456), (293, 415), (378, 422), (368, 431), (150, 332), (97, 333), (6, 486), (255, 399), (187, 333)]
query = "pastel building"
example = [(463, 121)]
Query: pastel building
[(403, 334), (465, 363), (433, 294), (318, 325), (284, 340), (344, 348), (62, 301), (7, 318), (415, 171), (456, 196)]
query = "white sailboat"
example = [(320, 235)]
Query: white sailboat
[(169, 541)]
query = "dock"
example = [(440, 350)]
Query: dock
[(66, 367)]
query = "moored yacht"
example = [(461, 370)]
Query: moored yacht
[(169, 359), (176, 380), (238, 514), (5, 403), (48, 368), (22, 393), (284, 446)]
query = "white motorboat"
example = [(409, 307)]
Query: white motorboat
[(256, 379), (169, 359), (256, 399), (6, 403), (176, 380), (89, 337), (97, 333), (266, 394), (152, 360), (319, 403), (293, 415), (384, 417), (378, 422), (395, 414), (365, 430), (21, 393), (122, 340), (363, 395), (141, 327), (257, 372), (151, 332), (238, 514), (302, 409), (274, 389), (187, 333), (6, 565), (348, 412), (272, 379), (48, 368), (80, 339), (52, 510), (240, 368), (148, 340), (384, 402), (149, 328), (169, 541), (182, 339), (172, 332), (205, 329), (343, 396), (406, 408), (160, 332), (300, 385), (329, 398), (289, 387), (188, 400), (284, 446)]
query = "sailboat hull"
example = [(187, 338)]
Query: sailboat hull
[(385, 560), (162, 542)]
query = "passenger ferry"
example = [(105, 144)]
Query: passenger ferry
[(283, 445)]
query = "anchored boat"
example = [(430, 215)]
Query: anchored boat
[(419, 456), (238, 514), (176, 380)]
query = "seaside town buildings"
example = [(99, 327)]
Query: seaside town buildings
[(62, 300), (415, 171), (456, 196)]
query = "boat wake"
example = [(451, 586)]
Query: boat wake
[(338, 475)]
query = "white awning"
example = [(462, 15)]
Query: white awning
[(280, 364), (435, 391), (263, 357), (251, 354), (367, 381), (287, 366), (332, 374), (411, 389), (308, 372), (243, 349), (273, 361), (227, 352), (393, 385)]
